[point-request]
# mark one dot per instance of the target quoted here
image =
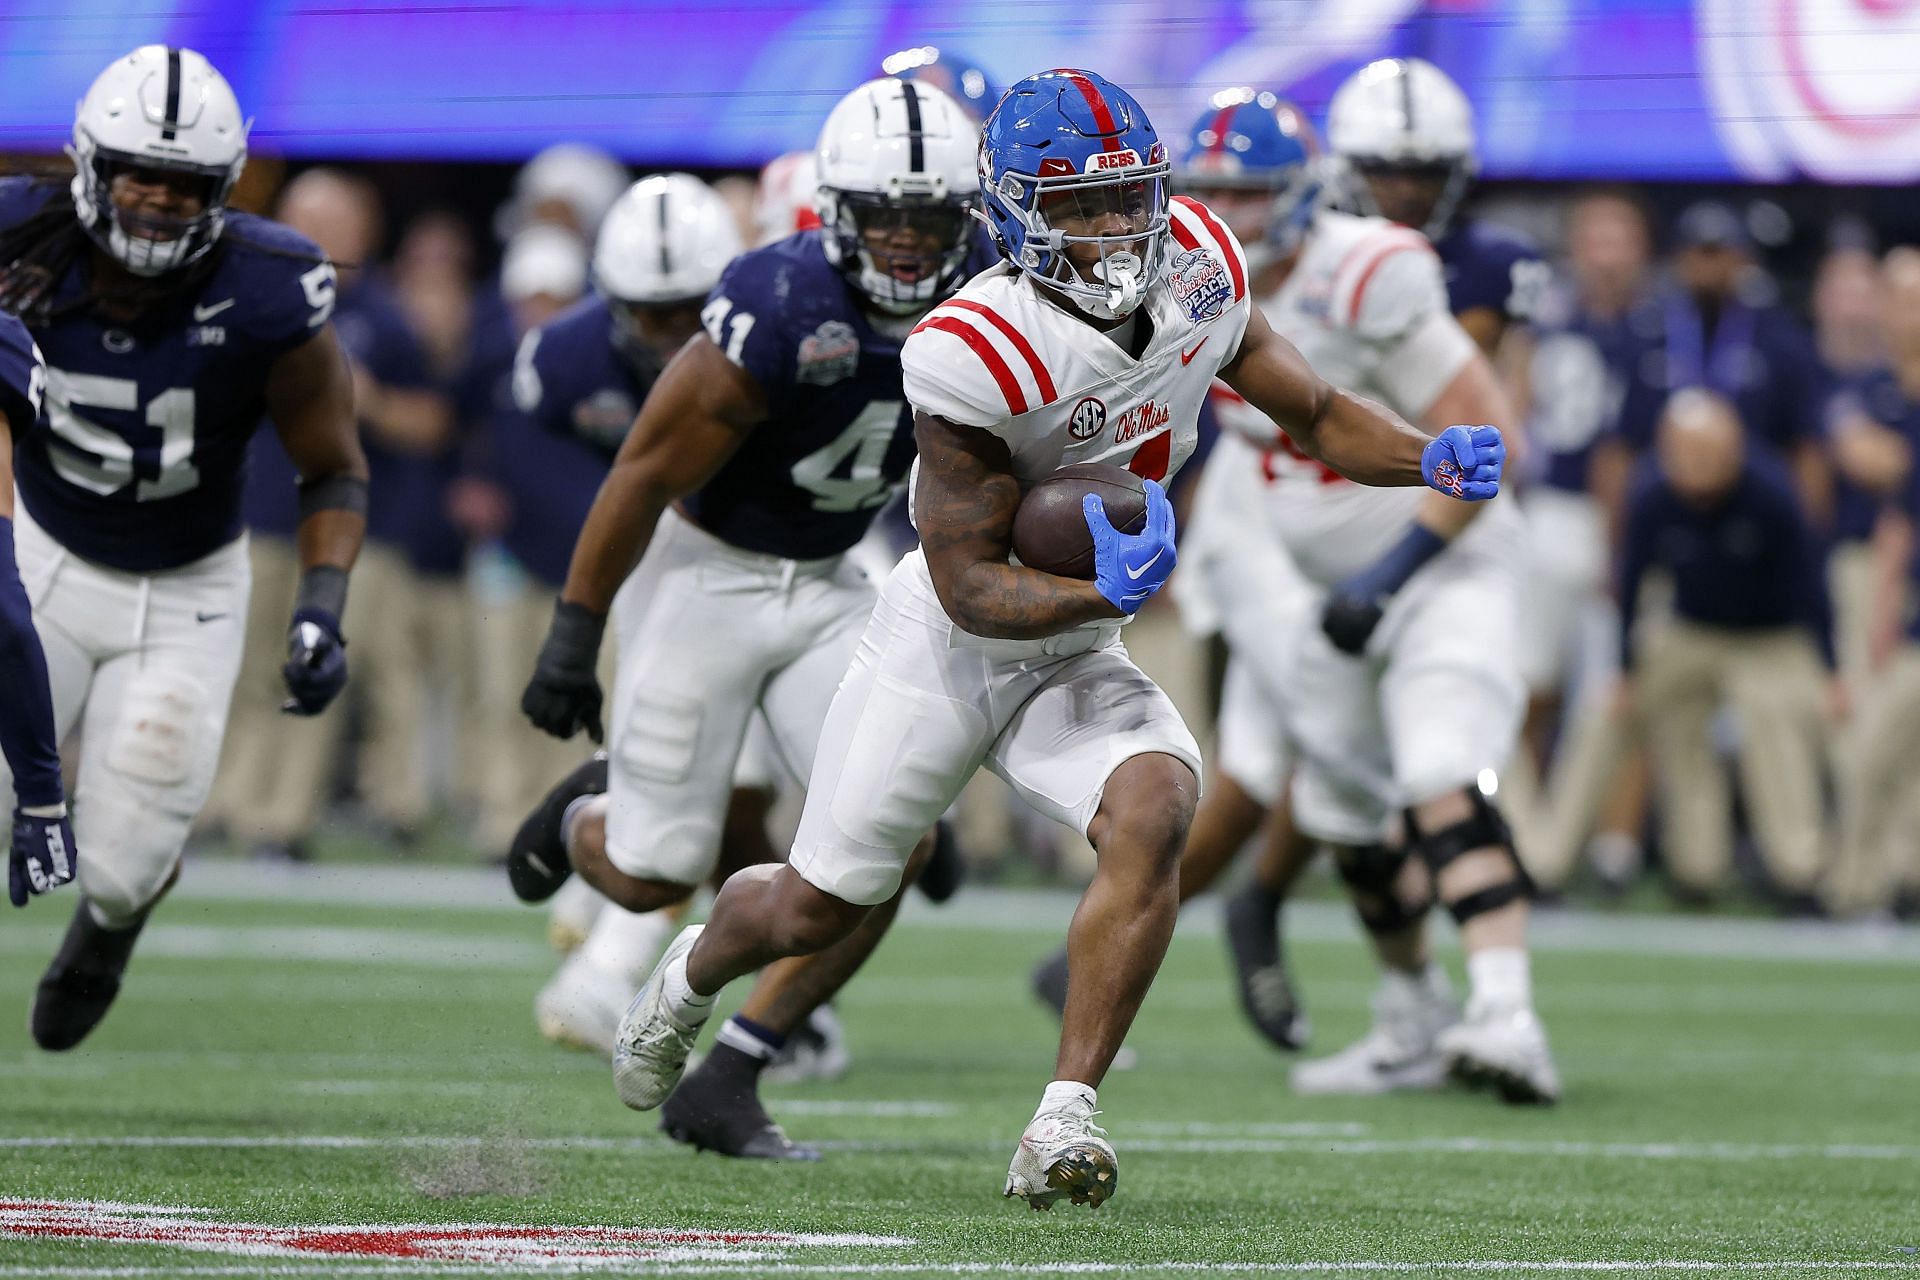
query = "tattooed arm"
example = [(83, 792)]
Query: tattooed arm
[(1363, 441), (963, 503)]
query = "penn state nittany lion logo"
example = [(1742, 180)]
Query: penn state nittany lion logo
[(1089, 416), (1200, 285)]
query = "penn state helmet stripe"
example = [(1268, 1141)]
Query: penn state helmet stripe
[(666, 261), (996, 364), (170, 122), (1041, 378), (1406, 90), (1102, 114), (916, 144)]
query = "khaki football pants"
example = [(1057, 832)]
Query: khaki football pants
[(1880, 814), (1773, 681)]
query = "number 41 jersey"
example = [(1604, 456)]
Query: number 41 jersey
[(137, 462), (838, 437)]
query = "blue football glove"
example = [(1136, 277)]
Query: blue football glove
[(316, 669), (1129, 567), (43, 857), (1465, 462)]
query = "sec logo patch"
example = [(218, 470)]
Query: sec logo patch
[(1088, 417)]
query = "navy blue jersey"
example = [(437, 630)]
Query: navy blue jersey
[(23, 378), (838, 437), (139, 458), (1593, 379), (1876, 394), (1491, 267), (1758, 356), (570, 403)]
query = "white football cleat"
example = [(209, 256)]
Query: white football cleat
[(1400, 1051), (570, 918), (1063, 1153), (651, 1046), (580, 1007), (1504, 1047), (817, 1050)]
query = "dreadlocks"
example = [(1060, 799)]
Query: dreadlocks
[(36, 255)]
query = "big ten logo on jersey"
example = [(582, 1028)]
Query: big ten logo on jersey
[(1141, 421), (828, 355), (1087, 419), (1200, 285)]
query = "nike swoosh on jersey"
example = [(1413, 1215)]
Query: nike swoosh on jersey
[(1135, 573), (208, 617), (1186, 357), (203, 314)]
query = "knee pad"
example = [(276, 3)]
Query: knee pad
[(1371, 870), (1484, 828)]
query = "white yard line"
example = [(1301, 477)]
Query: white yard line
[(1250, 1144)]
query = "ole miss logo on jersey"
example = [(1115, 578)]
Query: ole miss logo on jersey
[(1141, 420), (1200, 285)]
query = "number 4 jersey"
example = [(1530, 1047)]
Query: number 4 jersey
[(138, 460), (838, 436)]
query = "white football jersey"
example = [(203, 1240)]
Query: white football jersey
[(1001, 357), (1367, 306)]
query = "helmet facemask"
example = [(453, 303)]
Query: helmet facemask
[(904, 253), (648, 334), (1449, 176), (147, 244), (1121, 217)]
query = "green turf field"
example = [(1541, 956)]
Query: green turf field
[(1741, 1097)]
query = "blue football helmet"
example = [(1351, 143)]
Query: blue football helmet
[(1250, 140), (1069, 159), (963, 78)]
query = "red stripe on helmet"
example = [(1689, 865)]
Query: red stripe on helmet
[(1102, 114), (1221, 123)]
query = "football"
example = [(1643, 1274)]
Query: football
[(1050, 529)]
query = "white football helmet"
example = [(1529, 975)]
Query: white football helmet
[(666, 240), (159, 107), (898, 155), (783, 202), (1403, 114)]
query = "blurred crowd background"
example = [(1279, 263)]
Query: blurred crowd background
[(1719, 737)]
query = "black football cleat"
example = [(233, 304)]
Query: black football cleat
[(1049, 982), (537, 862), (946, 870), (711, 1113), (1260, 970), (79, 986)]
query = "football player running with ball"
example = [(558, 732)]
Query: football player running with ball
[(1094, 341), (719, 543), (171, 325)]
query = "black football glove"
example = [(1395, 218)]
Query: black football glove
[(43, 857), (1349, 619), (316, 669), (564, 695)]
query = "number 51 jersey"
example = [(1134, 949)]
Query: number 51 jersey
[(138, 461), (838, 436)]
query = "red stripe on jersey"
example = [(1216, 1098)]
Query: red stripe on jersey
[(1019, 340), (1381, 246), (1219, 127), (997, 366), (1366, 274), (1220, 238), (1102, 114)]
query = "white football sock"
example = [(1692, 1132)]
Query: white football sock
[(1065, 1095), (1501, 976), (680, 997)]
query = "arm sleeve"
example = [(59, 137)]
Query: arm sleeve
[(27, 737)]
